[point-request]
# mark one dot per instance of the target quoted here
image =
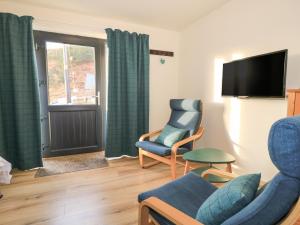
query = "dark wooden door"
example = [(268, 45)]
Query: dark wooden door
[(71, 76)]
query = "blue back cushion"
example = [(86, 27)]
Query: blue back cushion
[(228, 200), (284, 146), (271, 205), (186, 114)]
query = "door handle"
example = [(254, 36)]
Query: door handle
[(97, 96)]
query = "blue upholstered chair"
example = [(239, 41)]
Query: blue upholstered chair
[(278, 203), (186, 114)]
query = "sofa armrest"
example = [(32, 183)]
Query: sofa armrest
[(150, 134), (194, 137), (164, 209)]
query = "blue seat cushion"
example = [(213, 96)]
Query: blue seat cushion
[(158, 149), (271, 205), (185, 194)]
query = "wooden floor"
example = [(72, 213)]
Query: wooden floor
[(104, 196)]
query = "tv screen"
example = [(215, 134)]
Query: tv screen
[(257, 76)]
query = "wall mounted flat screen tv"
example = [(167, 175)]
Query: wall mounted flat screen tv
[(257, 76)]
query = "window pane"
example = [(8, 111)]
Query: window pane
[(82, 74), (71, 74), (55, 66)]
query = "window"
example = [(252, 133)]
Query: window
[(71, 74)]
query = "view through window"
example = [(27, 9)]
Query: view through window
[(71, 74)]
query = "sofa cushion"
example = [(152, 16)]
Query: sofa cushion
[(228, 200), (170, 135), (185, 194), (158, 149), (284, 146), (271, 205)]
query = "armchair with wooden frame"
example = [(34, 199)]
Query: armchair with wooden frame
[(177, 217), (186, 114), (277, 202)]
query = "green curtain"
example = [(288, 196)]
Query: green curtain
[(128, 91), (19, 99)]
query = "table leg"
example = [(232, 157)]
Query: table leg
[(228, 168), (187, 167)]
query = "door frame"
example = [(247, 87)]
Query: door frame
[(40, 38)]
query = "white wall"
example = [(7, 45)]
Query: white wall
[(163, 78), (238, 29)]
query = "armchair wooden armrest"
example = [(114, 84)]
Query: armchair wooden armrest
[(225, 174), (150, 134), (164, 209), (194, 137), (219, 173), (292, 218)]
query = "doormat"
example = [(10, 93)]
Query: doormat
[(71, 163)]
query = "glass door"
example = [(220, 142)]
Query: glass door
[(70, 68)]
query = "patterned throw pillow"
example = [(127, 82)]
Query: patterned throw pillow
[(170, 135), (228, 200)]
